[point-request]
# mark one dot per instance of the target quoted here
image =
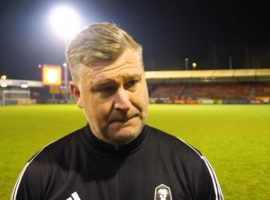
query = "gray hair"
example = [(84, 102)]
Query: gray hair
[(101, 42)]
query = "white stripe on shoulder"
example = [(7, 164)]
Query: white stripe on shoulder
[(220, 195), (215, 182), (16, 187), (191, 147)]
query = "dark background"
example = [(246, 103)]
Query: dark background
[(215, 34)]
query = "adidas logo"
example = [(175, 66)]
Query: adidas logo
[(74, 196)]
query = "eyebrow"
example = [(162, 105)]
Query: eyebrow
[(132, 76), (108, 81), (102, 83)]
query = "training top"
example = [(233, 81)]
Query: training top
[(155, 165)]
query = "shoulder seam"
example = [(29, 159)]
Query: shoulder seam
[(217, 188), (19, 179), (195, 150)]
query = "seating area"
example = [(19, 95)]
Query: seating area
[(219, 91), (169, 91), (223, 91), (262, 90)]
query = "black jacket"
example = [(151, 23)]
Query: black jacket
[(153, 166)]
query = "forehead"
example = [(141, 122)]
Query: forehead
[(129, 64)]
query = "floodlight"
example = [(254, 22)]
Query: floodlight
[(3, 77), (194, 65), (51, 75), (3, 85), (64, 21), (24, 85)]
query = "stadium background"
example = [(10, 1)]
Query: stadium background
[(233, 132), (231, 86), (189, 37)]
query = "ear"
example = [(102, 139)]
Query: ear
[(75, 91)]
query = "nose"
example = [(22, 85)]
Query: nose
[(122, 101)]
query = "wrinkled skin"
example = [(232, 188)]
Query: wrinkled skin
[(114, 97)]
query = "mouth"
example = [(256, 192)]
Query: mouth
[(123, 120)]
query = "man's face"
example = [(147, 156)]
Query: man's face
[(114, 98)]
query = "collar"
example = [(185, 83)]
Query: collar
[(109, 149)]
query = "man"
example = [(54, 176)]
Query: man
[(115, 156)]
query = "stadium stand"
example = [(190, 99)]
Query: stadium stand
[(262, 90), (219, 91), (210, 86), (182, 86), (17, 92), (167, 91)]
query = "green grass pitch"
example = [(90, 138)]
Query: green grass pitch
[(234, 138)]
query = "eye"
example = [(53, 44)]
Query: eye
[(104, 90), (130, 84), (107, 89)]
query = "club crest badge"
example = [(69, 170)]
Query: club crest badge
[(163, 192)]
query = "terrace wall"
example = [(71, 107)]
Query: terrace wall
[(209, 92)]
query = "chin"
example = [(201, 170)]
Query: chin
[(124, 135)]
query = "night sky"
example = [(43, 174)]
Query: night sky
[(169, 31)]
